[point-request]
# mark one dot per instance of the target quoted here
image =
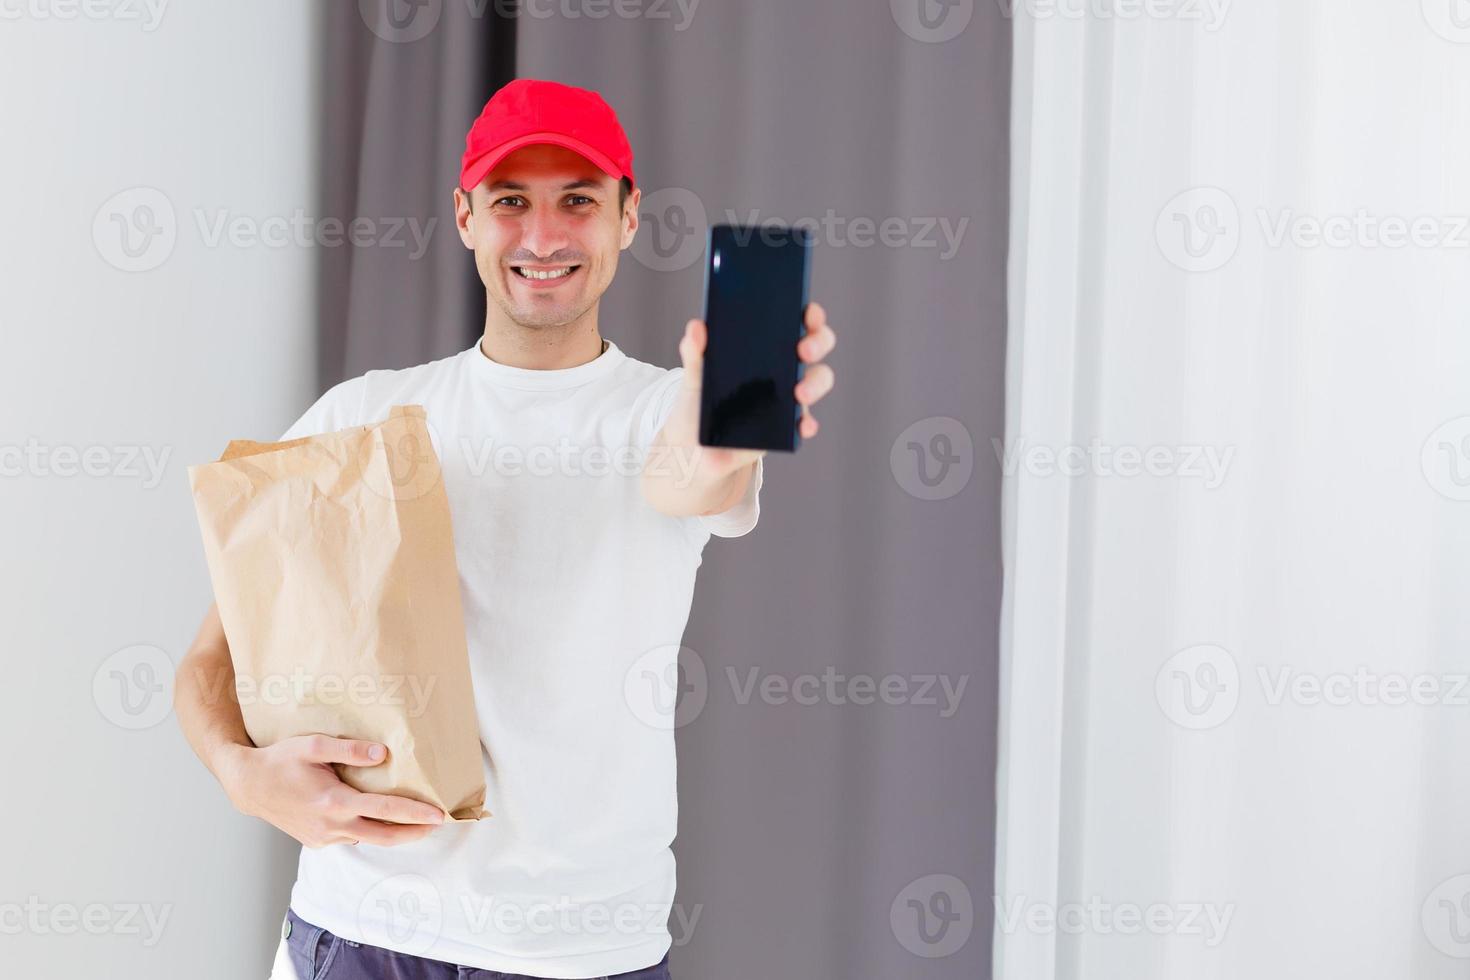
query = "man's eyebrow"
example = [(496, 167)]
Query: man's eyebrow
[(510, 185)]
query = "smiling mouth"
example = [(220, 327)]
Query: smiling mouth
[(544, 275)]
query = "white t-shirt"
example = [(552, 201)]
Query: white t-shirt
[(576, 593)]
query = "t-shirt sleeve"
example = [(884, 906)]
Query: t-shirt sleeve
[(338, 408), (741, 517)]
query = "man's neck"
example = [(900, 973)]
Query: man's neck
[(544, 349)]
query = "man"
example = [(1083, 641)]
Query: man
[(576, 580)]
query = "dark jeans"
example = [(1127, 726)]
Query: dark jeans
[(318, 955)]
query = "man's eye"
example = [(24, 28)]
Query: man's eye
[(511, 200), (580, 199)]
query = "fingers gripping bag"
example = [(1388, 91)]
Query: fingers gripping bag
[(332, 560)]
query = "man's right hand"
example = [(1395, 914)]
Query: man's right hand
[(292, 786)]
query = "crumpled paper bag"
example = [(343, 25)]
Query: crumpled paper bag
[(332, 559)]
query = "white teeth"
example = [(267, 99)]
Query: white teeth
[(550, 274)]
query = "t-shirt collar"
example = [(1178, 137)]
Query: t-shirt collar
[(533, 379)]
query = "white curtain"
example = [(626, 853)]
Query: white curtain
[(1235, 735)]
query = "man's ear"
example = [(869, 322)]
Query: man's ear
[(463, 215), (630, 217)]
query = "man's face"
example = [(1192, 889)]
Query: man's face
[(546, 230)]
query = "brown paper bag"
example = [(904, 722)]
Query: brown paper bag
[(332, 559)]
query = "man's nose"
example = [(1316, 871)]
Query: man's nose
[(544, 233)]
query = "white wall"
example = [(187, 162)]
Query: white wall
[(212, 106)]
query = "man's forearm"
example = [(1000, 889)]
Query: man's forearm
[(204, 700), (685, 481)]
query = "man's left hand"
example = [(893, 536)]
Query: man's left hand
[(720, 475)]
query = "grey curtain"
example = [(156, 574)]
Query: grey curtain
[(811, 835), (401, 84)]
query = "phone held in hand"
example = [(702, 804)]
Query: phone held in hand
[(756, 284)]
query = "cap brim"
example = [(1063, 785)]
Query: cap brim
[(478, 170)]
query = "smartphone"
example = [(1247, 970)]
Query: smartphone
[(755, 298)]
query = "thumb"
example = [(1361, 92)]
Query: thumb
[(691, 352)]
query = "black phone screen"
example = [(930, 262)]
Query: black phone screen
[(756, 282)]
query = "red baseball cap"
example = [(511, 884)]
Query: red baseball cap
[(529, 111)]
